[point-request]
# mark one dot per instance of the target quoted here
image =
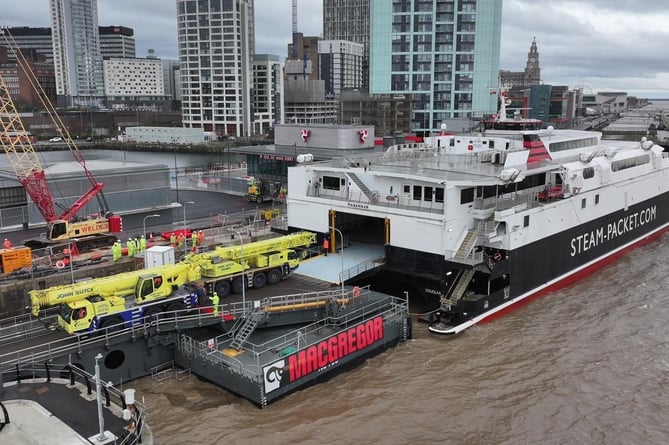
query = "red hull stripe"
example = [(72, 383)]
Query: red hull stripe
[(537, 149)]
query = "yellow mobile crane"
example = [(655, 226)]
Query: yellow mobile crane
[(126, 298), (256, 264), (292, 241)]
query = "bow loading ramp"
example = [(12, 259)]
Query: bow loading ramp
[(286, 343)]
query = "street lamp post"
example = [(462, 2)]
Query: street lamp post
[(184, 232), (98, 390), (176, 170), (241, 252), (341, 275), (155, 215)]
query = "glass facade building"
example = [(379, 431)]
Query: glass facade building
[(76, 52), (445, 53)]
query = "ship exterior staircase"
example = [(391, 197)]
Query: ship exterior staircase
[(247, 327), (459, 290), (372, 196), (466, 254)]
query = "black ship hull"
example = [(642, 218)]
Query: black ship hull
[(517, 275)]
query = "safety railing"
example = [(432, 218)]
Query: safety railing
[(265, 353), (110, 393)]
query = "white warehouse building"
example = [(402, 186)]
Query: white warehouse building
[(167, 135)]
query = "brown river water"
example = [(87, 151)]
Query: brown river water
[(588, 364)]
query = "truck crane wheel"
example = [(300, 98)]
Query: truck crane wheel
[(223, 289), (259, 280), (274, 276), (112, 324), (150, 314), (237, 284), (176, 307)]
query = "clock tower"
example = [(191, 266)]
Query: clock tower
[(532, 70)]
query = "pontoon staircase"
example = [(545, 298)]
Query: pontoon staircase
[(460, 288), (367, 192), (247, 327)]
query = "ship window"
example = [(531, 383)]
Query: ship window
[(588, 172), (596, 199), (466, 195), (417, 192), (406, 188), (427, 194), (622, 164), (583, 203), (330, 183), (526, 220), (570, 145), (439, 195)]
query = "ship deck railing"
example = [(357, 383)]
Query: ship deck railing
[(254, 356), (376, 198), (519, 200)]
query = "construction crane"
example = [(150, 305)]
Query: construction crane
[(66, 226), (294, 29)]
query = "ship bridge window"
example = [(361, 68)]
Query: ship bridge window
[(569, 145), (417, 192), (428, 193), (439, 194), (331, 183), (467, 195), (622, 164), (588, 172)]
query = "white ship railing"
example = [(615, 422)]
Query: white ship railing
[(378, 199)]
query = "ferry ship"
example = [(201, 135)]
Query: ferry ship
[(475, 224)]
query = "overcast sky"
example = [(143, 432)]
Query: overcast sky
[(600, 45)]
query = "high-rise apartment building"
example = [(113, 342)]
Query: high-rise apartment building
[(340, 65), (445, 53), (216, 47), (116, 41), (349, 20), (76, 52), (267, 93)]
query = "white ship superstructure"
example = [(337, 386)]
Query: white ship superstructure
[(475, 224)]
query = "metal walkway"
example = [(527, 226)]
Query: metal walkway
[(356, 259)]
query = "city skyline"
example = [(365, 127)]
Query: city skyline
[(591, 44)]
